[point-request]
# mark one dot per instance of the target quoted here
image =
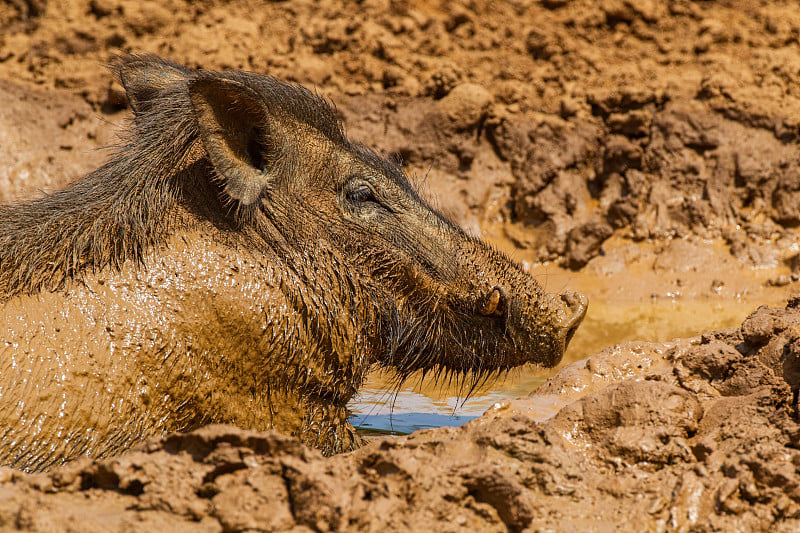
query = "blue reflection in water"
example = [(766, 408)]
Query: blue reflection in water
[(405, 423)]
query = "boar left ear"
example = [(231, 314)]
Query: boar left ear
[(145, 77), (234, 127)]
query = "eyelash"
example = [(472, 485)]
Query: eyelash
[(362, 194)]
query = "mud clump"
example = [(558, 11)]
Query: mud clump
[(698, 434)]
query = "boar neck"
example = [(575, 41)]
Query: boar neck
[(208, 331)]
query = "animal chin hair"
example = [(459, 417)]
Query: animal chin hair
[(418, 348)]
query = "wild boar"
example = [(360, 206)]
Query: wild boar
[(239, 260)]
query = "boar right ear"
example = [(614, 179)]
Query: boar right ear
[(145, 77), (235, 128)]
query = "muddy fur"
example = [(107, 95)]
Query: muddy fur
[(117, 212), (356, 269)]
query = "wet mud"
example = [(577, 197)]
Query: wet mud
[(644, 153)]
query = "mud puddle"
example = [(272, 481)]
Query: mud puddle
[(632, 297)]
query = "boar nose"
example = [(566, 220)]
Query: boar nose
[(575, 305)]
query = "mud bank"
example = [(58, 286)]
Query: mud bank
[(698, 434), (637, 151)]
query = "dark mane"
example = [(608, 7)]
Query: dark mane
[(117, 212), (111, 215)]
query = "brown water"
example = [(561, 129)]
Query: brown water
[(629, 301)]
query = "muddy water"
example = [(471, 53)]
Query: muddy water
[(635, 292)]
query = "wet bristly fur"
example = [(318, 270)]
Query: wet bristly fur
[(117, 212), (417, 287)]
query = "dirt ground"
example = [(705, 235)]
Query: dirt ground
[(639, 150)]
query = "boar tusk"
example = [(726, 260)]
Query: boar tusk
[(491, 304)]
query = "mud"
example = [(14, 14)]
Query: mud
[(645, 153)]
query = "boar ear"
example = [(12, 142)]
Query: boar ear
[(234, 124), (145, 77)]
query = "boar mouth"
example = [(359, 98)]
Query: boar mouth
[(486, 338), (493, 304)]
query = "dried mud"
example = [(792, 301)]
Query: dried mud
[(648, 149)]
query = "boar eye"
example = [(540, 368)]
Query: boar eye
[(362, 194)]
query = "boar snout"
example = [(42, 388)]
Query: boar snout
[(542, 325), (575, 306)]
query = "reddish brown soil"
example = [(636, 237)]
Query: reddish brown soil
[(568, 119), (589, 133)]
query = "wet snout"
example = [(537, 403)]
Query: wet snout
[(575, 305)]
